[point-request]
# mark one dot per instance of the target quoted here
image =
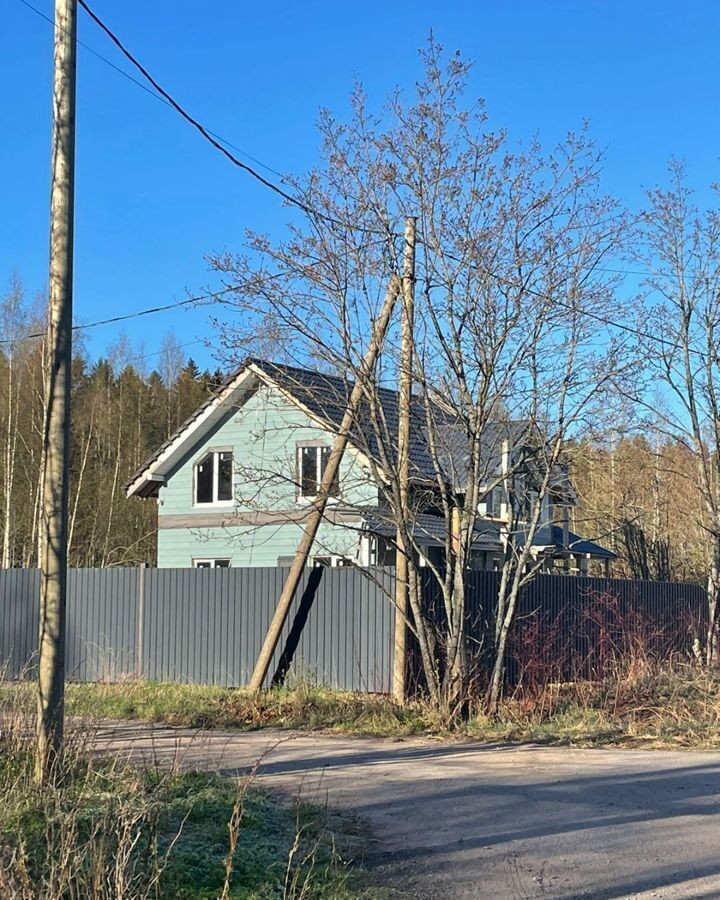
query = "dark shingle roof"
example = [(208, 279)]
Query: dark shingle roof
[(552, 536), (432, 528), (487, 532), (326, 396)]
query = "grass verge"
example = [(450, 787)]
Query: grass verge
[(109, 830), (658, 706)]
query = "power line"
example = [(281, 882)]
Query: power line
[(159, 352), (163, 97), (123, 318), (152, 93), (638, 332), (216, 141), (294, 201)]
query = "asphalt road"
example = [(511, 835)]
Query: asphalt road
[(476, 820)]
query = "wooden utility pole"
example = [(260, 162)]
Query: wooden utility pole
[(403, 459), (318, 509), (53, 561)]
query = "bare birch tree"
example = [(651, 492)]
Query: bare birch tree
[(11, 322)]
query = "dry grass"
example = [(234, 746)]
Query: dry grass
[(669, 706), (304, 706), (641, 705)]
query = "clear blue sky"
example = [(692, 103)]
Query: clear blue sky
[(153, 198)]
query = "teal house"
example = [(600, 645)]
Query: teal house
[(234, 484)]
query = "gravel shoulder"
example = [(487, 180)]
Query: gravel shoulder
[(465, 820)]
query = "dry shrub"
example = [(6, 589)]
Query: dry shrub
[(608, 657)]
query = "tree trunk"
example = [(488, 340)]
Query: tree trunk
[(11, 440), (713, 590)]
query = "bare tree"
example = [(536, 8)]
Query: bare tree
[(11, 324), (510, 242), (682, 334)]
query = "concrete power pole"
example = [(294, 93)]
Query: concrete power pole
[(404, 401), (53, 561)]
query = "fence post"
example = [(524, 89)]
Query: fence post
[(139, 667)]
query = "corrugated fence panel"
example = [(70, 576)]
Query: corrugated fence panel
[(101, 632), (345, 623), (207, 625), (19, 591)]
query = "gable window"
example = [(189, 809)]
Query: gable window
[(312, 461), (211, 564), (213, 477)]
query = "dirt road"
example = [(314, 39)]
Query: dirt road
[(471, 821)]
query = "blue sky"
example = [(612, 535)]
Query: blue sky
[(153, 198)]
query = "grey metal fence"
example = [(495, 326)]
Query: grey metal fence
[(206, 625)]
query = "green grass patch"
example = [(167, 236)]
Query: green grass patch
[(304, 707), (111, 830)]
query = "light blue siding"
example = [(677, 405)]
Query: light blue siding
[(263, 435), (249, 546)]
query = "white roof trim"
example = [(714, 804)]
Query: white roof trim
[(157, 469)]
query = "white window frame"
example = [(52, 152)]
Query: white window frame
[(334, 561), (496, 500), (318, 448), (199, 562), (216, 451)]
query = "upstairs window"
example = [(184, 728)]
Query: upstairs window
[(213, 478), (311, 464), (493, 503)]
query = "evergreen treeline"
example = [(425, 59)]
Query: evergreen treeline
[(121, 414)]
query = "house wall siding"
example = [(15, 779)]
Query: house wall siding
[(263, 435), (249, 546)]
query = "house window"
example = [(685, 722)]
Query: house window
[(493, 500), (312, 462), (334, 561), (213, 477), (211, 563), (527, 505)]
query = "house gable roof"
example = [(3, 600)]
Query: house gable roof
[(322, 396), (146, 480)]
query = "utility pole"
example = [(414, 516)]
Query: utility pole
[(54, 525), (403, 463), (318, 509)]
